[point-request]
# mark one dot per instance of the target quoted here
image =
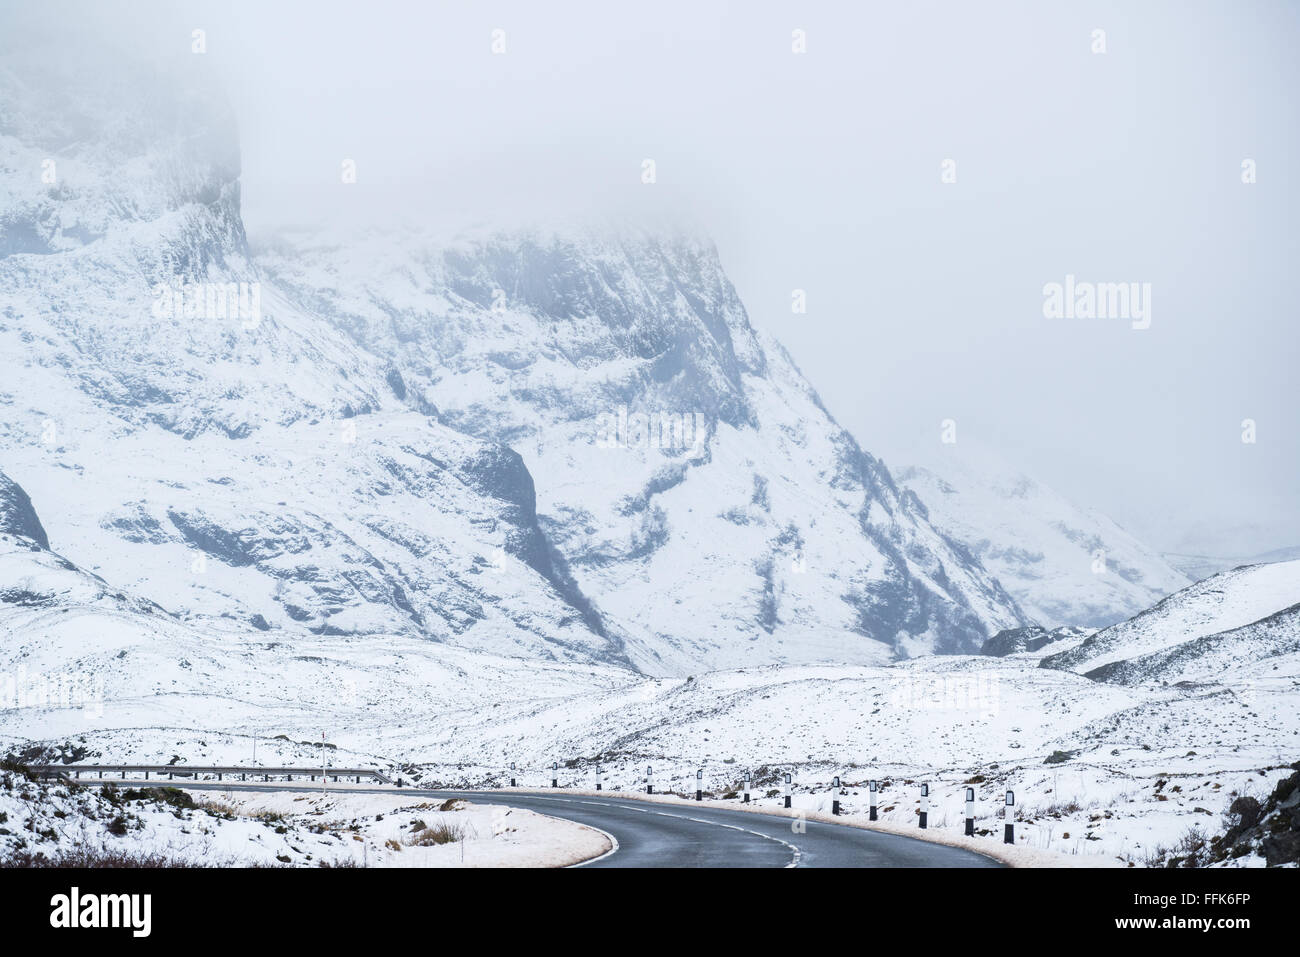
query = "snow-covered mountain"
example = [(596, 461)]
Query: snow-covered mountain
[(773, 537), (1064, 565), (401, 435), (1235, 618)]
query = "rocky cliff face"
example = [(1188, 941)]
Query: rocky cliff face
[(764, 533), (562, 443), (17, 517)]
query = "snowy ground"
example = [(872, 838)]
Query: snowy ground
[(338, 828), (1113, 769), (1135, 767)]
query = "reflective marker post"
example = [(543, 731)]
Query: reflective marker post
[(970, 812), (789, 786), (835, 801), (925, 804), (873, 788), (555, 774), (649, 780), (512, 774), (598, 777), (1009, 827), (745, 789), (699, 785)]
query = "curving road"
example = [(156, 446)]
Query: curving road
[(655, 834)]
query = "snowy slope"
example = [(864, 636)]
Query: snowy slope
[(128, 663), (1221, 603), (1275, 639), (1064, 565), (160, 827)]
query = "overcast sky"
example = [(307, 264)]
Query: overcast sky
[(821, 171)]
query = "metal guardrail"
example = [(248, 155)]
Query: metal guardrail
[(173, 771)]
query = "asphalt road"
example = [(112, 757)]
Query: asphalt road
[(653, 834)]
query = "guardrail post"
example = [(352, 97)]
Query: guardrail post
[(745, 789), (835, 801), (789, 786), (699, 784), (1008, 825), (970, 812), (873, 787), (649, 780), (925, 804)]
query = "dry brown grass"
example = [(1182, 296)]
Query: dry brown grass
[(440, 833)]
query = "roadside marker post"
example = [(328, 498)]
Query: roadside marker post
[(970, 812), (555, 774), (835, 801), (599, 777), (745, 789), (789, 787), (925, 804), (1009, 817), (512, 774), (649, 780), (873, 788), (699, 785)]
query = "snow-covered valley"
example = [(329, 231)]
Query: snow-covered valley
[(1122, 766)]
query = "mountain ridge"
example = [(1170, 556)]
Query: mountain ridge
[(468, 375)]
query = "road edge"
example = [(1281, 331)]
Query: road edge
[(1011, 855)]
